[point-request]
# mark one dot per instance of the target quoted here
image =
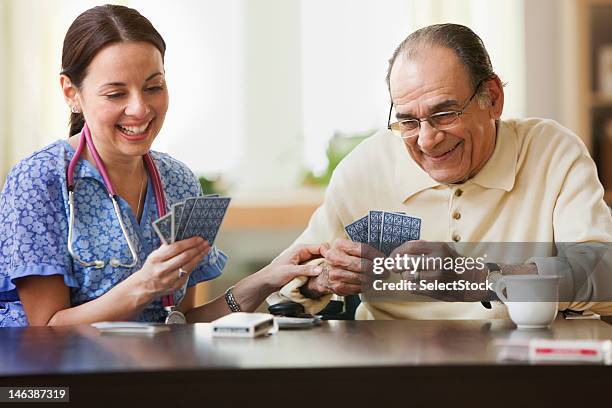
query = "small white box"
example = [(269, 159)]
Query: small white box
[(243, 325)]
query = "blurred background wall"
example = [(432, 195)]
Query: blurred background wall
[(259, 88), (256, 85)]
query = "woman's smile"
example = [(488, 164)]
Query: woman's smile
[(135, 132)]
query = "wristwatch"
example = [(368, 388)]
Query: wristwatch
[(494, 274), (231, 301)]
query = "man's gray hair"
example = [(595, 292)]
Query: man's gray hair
[(466, 44)]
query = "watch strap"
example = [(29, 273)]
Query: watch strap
[(492, 267), (231, 301)]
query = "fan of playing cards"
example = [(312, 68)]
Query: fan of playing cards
[(384, 230), (196, 216)]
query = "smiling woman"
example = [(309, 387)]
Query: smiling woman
[(123, 99), (93, 197)]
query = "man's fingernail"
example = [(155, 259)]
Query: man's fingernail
[(317, 269)]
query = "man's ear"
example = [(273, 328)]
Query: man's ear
[(70, 92), (496, 96)]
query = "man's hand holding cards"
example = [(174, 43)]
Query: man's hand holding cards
[(384, 230), (348, 265)]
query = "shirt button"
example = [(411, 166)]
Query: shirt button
[(457, 215), (456, 238), (458, 192)]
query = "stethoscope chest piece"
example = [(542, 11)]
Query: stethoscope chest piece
[(174, 316)]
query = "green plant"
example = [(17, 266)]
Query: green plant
[(340, 144), (208, 185)]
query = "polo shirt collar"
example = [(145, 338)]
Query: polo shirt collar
[(499, 172)]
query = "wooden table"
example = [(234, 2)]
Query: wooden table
[(354, 363)]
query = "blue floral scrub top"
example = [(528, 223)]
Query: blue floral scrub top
[(34, 218)]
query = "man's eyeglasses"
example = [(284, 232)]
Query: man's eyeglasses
[(407, 128)]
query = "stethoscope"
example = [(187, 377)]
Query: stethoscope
[(174, 316)]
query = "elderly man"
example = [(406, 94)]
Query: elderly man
[(471, 178)]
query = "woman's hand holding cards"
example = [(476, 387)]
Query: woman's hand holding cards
[(160, 273)]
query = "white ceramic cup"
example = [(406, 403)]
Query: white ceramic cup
[(532, 300)]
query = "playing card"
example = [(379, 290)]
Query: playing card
[(374, 225), (397, 229), (206, 217), (177, 212), (163, 228), (358, 230), (179, 231)]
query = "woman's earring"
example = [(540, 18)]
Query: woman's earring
[(74, 109)]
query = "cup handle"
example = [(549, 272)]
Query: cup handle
[(499, 290)]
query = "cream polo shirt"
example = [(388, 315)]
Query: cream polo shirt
[(540, 185)]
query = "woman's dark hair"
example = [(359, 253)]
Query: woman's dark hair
[(95, 29)]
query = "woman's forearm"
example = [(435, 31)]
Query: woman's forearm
[(209, 311), (249, 293), (122, 302)]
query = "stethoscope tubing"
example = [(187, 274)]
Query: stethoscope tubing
[(160, 200)]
